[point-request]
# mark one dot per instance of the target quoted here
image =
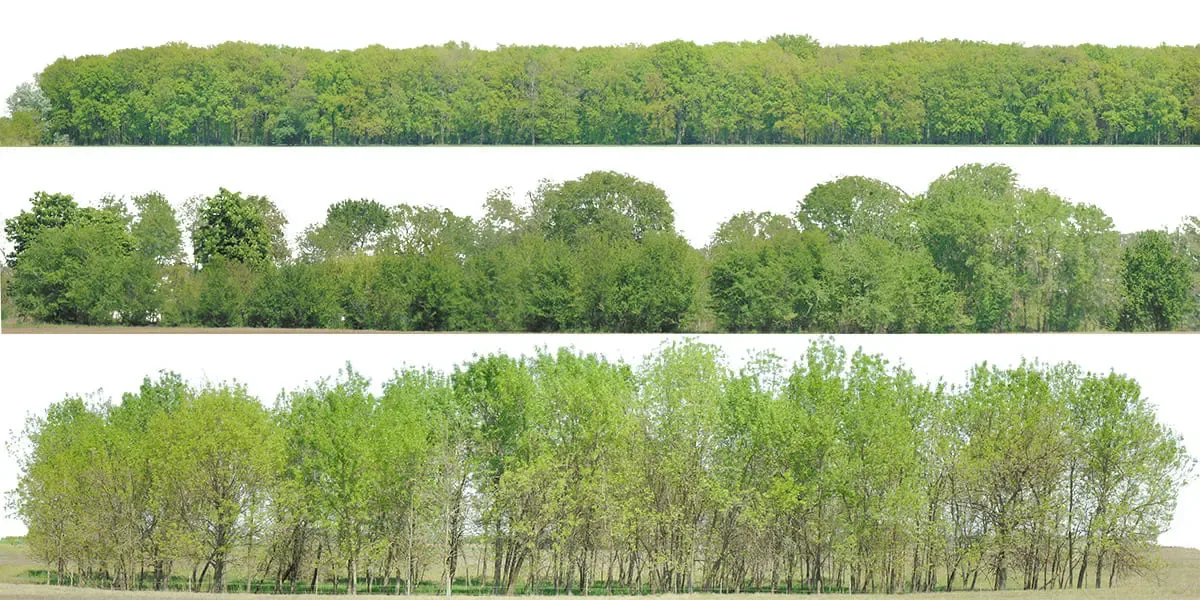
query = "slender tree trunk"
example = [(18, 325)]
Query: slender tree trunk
[(1083, 567), (316, 568), (498, 543), (200, 582), (412, 563)]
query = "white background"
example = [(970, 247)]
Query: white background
[(1140, 188), (37, 33), (45, 368)]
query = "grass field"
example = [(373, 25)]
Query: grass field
[(1179, 578), (14, 563)]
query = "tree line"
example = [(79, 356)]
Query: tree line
[(976, 252), (786, 89), (567, 473)]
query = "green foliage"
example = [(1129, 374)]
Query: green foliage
[(872, 286), (975, 252), (604, 203), (49, 211), (786, 89), (1157, 282), (655, 287), (85, 273), (967, 221), (244, 229), (295, 296), (155, 229), (223, 454), (224, 287), (28, 110), (764, 272), (856, 206), (841, 471), (350, 226), (20, 129), (551, 287)]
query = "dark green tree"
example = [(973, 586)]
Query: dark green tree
[(243, 229), (49, 211), (1157, 284), (85, 273)]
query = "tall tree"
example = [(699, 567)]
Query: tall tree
[(1157, 284), (155, 229)]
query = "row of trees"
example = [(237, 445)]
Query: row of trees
[(787, 89), (975, 252), (566, 472)]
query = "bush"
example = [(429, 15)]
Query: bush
[(224, 288), (85, 273)]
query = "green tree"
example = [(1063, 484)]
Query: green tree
[(1128, 504), (350, 226), (612, 204), (871, 285), (224, 287), (682, 386), (85, 273), (155, 229), (295, 296), (856, 206), (1156, 282), (49, 211), (763, 273), (966, 219), (223, 455), (244, 229), (331, 428), (655, 288)]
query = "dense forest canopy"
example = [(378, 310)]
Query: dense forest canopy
[(974, 252), (564, 472), (787, 89)]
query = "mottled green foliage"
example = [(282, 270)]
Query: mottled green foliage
[(243, 229), (786, 89), (763, 274), (49, 211), (1157, 283), (85, 273), (975, 252), (155, 229), (843, 471), (350, 226)]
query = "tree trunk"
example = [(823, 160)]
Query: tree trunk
[(312, 588), (1083, 567)]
